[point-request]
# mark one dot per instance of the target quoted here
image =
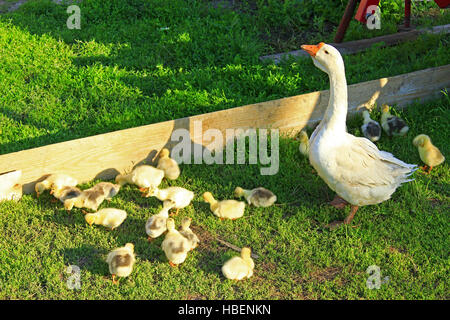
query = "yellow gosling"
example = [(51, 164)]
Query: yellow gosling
[(225, 209), (429, 154), (121, 261), (238, 268), (168, 165)]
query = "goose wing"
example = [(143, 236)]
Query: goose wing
[(361, 163)]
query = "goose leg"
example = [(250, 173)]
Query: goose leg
[(336, 224), (114, 279), (350, 216), (338, 202)]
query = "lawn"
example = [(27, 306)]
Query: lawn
[(139, 62)]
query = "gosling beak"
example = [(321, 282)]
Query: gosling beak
[(312, 49), (51, 191)]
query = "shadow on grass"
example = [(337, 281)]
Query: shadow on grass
[(87, 257)]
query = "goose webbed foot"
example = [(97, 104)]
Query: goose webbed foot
[(334, 225)]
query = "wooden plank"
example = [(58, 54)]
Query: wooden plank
[(103, 156), (351, 47)]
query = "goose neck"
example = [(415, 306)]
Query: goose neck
[(336, 112)]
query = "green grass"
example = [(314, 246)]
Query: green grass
[(123, 69), (285, 25), (407, 236)]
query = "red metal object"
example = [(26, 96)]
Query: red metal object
[(343, 25), (443, 3), (407, 13), (361, 14)]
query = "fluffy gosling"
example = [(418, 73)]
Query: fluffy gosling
[(259, 197), (428, 153), (238, 268), (121, 261)]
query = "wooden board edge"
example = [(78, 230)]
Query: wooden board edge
[(124, 149), (351, 47)]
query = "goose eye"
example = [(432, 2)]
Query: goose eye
[(326, 51)]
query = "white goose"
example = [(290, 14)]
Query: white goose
[(353, 167)]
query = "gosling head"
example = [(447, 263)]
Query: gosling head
[(168, 204), (39, 188), (238, 192), (421, 140), (56, 192), (164, 153), (246, 253), (303, 136), (120, 179), (90, 218), (185, 223), (115, 188), (170, 224), (208, 197), (385, 108), (69, 203)]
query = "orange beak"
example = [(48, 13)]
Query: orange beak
[(312, 49)]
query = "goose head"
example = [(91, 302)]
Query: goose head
[(325, 57)]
